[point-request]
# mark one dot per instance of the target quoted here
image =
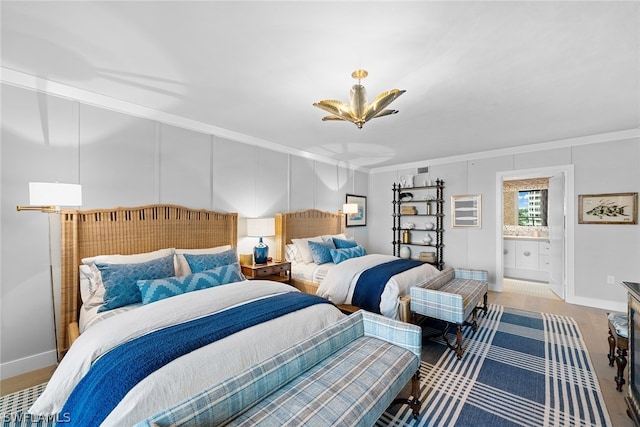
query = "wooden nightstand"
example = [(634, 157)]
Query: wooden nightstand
[(273, 270)]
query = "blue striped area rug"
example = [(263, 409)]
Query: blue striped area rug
[(519, 369)]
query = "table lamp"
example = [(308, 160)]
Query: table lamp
[(261, 227)]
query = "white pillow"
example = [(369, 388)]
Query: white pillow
[(85, 283), (182, 266), (328, 237), (291, 253), (96, 287), (303, 247), (128, 259)]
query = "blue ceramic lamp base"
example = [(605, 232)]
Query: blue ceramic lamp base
[(260, 253)]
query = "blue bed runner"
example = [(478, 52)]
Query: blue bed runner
[(116, 372), (370, 285)]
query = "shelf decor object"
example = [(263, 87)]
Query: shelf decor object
[(466, 211), (261, 227), (613, 208), (359, 218)]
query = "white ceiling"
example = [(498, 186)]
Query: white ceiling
[(479, 75)]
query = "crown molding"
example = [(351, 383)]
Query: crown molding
[(39, 84), (569, 142)]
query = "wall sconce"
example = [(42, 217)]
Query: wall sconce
[(49, 196), (350, 208), (261, 227)]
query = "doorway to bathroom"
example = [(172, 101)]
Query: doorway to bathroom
[(534, 239)]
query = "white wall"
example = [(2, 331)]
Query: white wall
[(600, 250), (122, 160)]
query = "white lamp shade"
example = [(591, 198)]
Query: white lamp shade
[(54, 194), (260, 227), (350, 208)]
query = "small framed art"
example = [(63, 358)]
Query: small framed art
[(466, 211), (612, 208), (357, 219)]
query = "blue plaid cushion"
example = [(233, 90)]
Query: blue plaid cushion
[(620, 323), (199, 263), (120, 280), (321, 252), (158, 289)]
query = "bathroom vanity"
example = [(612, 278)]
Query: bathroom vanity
[(526, 257)]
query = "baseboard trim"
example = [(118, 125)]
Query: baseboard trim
[(598, 303), (27, 364)]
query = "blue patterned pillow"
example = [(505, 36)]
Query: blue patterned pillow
[(120, 280), (339, 255), (321, 252), (198, 263), (344, 244), (157, 289)]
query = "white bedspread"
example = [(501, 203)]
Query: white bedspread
[(339, 284), (193, 372)]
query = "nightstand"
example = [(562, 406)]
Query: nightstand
[(273, 270)]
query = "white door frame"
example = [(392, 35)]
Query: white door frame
[(569, 209)]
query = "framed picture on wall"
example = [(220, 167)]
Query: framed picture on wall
[(612, 208), (358, 219), (466, 211)]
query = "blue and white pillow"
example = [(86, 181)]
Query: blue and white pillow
[(120, 280), (344, 243), (199, 263), (158, 289), (321, 252), (339, 255)]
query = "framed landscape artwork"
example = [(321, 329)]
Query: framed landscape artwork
[(612, 208), (359, 219)]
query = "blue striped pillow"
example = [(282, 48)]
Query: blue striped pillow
[(158, 289), (339, 255), (321, 252)]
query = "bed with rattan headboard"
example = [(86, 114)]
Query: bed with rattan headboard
[(305, 223), (313, 223), (131, 230)]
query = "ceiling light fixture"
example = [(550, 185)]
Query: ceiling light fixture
[(358, 111)]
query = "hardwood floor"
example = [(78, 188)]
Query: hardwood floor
[(23, 381), (592, 323)]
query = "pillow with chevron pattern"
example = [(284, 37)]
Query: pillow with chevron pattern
[(120, 280), (202, 262), (158, 289), (339, 255)]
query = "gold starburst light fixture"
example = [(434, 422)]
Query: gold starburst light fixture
[(358, 111)]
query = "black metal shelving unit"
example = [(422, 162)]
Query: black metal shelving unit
[(425, 208)]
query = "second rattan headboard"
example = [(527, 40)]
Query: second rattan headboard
[(307, 223), (129, 231)]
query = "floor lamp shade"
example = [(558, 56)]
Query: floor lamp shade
[(261, 227), (54, 194)]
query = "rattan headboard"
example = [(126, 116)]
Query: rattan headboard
[(129, 231), (307, 223)]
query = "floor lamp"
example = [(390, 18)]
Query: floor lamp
[(48, 197)]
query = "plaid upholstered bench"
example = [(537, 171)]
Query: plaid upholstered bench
[(347, 375), (452, 296)]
